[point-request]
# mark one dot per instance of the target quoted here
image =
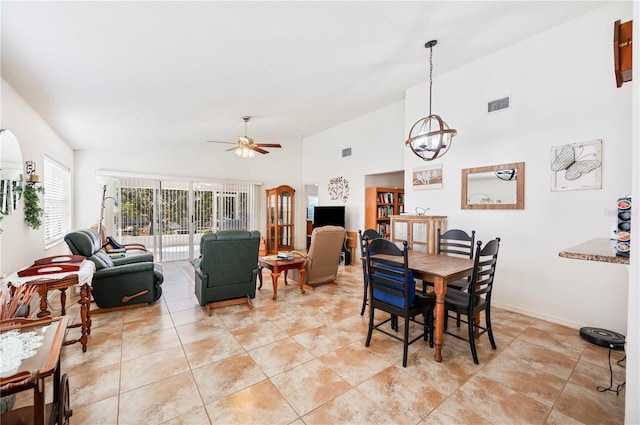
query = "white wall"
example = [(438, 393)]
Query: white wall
[(559, 95), (376, 141), (195, 159), (19, 244)]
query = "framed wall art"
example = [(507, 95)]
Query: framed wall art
[(429, 177), (577, 166)]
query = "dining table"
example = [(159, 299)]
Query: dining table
[(441, 270)]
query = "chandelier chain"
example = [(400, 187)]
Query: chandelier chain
[(430, 75)]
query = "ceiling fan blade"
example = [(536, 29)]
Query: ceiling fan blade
[(218, 141), (257, 149), (269, 145), (231, 149)]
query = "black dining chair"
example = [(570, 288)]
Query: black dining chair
[(367, 235), (393, 290), (455, 242), (477, 298)]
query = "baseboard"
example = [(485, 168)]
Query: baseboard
[(537, 315)]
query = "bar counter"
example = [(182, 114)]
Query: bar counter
[(598, 249)]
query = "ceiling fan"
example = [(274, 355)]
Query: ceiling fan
[(245, 147)]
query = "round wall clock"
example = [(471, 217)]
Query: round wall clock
[(339, 188)]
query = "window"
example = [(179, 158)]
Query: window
[(57, 201)]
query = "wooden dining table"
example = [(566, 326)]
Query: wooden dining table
[(439, 269)]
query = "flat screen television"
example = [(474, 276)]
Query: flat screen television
[(328, 215)]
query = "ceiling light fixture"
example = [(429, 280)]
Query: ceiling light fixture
[(430, 137), (245, 151)]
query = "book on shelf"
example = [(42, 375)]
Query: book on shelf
[(385, 197)]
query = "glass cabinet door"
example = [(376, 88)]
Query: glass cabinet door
[(280, 219)]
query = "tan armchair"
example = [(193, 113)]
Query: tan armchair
[(323, 258)]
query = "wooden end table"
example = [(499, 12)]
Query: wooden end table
[(277, 267), (61, 282)]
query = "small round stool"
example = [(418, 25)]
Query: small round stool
[(612, 341)]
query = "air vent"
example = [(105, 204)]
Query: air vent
[(346, 152), (499, 104)]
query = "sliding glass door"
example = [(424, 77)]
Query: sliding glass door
[(169, 217)]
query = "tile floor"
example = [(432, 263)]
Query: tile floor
[(302, 360)]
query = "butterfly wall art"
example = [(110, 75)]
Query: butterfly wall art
[(576, 166)]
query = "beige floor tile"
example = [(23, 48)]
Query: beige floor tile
[(195, 417), (450, 412), (541, 358), (519, 375), (321, 341), (146, 324), (400, 395), (89, 385), (354, 363), (136, 346), (591, 406), (349, 408), (98, 413), (555, 337), (202, 329), (218, 346), (497, 403), (280, 356), (227, 376), (309, 385), (144, 370), (160, 401), (183, 317), (258, 335), (259, 404), (557, 418)]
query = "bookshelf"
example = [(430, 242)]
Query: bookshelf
[(380, 204)]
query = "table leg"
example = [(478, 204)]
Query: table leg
[(274, 279), (260, 277), (39, 403), (63, 301), (84, 313), (42, 292), (439, 287), (302, 276)]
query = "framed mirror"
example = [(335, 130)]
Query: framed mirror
[(496, 187), (10, 172)]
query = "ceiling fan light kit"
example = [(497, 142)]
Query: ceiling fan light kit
[(430, 137), (245, 147)]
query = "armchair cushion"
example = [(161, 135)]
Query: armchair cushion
[(227, 267)]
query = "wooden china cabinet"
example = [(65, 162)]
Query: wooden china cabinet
[(280, 218)]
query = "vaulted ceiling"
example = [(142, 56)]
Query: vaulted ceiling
[(176, 72)]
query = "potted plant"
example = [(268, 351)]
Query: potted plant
[(32, 211)]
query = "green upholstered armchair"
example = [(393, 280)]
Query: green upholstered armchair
[(134, 279), (227, 269)]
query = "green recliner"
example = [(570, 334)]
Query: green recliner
[(227, 269), (117, 282)]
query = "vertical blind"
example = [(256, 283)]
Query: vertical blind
[(57, 201)]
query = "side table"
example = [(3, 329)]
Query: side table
[(278, 266), (61, 282)]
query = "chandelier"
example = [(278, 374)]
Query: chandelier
[(430, 137)]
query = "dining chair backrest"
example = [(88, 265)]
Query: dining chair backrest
[(368, 234), (456, 242), (484, 270), (390, 279)]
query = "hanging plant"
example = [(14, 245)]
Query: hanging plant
[(32, 210)]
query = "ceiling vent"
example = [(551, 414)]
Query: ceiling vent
[(346, 152), (499, 104)]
